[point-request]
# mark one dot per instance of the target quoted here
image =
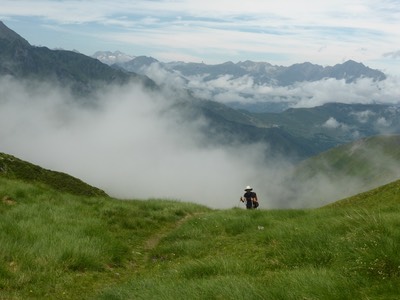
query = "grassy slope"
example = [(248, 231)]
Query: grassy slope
[(60, 246), (14, 168), (371, 159), (56, 245), (336, 252), (382, 198)]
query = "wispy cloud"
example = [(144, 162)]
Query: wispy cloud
[(332, 123), (393, 54)]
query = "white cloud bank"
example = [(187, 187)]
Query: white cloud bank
[(228, 89), (127, 145)]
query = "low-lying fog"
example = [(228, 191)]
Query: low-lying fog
[(130, 145)]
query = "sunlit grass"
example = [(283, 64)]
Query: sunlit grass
[(59, 246)]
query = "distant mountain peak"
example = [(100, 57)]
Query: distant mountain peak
[(352, 62), (10, 35), (110, 58), (351, 70)]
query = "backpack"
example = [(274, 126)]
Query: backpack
[(249, 199)]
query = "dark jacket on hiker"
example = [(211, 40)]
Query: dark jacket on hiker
[(250, 198)]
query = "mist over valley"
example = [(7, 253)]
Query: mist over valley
[(196, 132)]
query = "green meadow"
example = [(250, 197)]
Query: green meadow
[(56, 245)]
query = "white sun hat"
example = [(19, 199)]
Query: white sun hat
[(248, 188)]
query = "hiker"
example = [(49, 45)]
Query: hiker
[(250, 197)]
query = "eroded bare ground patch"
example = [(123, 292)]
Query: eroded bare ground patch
[(155, 239), (7, 200)]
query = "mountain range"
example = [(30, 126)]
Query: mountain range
[(295, 132), (261, 72), (300, 131), (255, 86)]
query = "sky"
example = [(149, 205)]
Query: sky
[(284, 32)]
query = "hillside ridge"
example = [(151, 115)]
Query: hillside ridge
[(15, 168), (83, 74)]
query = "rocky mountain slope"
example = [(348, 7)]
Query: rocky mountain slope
[(83, 74)]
